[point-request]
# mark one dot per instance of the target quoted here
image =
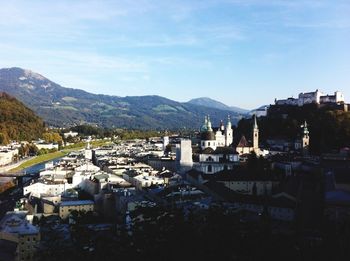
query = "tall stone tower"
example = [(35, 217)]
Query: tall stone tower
[(305, 140), (165, 142), (184, 160), (228, 132), (255, 134)]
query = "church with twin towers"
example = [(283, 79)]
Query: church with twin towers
[(223, 136), (218, 149)]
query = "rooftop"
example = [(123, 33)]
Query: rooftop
[(16, 223), (76, 203)]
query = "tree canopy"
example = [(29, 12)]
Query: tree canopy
[(17, 122), (329, 128)]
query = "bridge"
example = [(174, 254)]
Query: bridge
[(13, 174)]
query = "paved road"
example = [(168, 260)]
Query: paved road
[(14, 165)]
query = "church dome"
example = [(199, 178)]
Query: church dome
[(204, 128), (208, 135)]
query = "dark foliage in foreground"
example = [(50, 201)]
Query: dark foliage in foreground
[(329, 127), (213, 234)]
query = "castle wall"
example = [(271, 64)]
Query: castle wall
[(313, 97)]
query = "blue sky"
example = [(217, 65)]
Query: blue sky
[(241, 52)]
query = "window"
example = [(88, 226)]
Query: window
[(210, 168)]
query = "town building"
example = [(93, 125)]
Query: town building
[(70, 134), (7, 155), (44, 145), (15, 229), (66, 207)]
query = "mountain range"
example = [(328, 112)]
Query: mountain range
[(63, 107), (208, 102)]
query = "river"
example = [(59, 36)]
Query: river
[(35, 169)]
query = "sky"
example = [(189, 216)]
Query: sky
[(243, 53)]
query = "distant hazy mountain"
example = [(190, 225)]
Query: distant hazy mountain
[(60, 106), (208, 102)]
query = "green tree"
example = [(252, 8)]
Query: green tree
[(4, 139), (52, 137), (33, 150)]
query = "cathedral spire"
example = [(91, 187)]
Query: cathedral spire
[(305, 140), (305, 130), (255, 123), (255, 134), (209, 124)]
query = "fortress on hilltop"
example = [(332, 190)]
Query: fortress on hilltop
[(316, 97)]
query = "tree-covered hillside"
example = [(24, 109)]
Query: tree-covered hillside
[(329, 127), (17, 122)]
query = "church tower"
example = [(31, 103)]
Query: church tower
[(222, 127), (209, 124), (228, 132), (305, 139), (255, 134)]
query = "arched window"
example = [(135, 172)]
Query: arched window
[(210, 168)]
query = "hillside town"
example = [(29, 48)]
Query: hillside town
[(175, 130), (105, 191)]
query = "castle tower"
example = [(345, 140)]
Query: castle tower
[(305, 139), (255, 135), (228, 132)]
